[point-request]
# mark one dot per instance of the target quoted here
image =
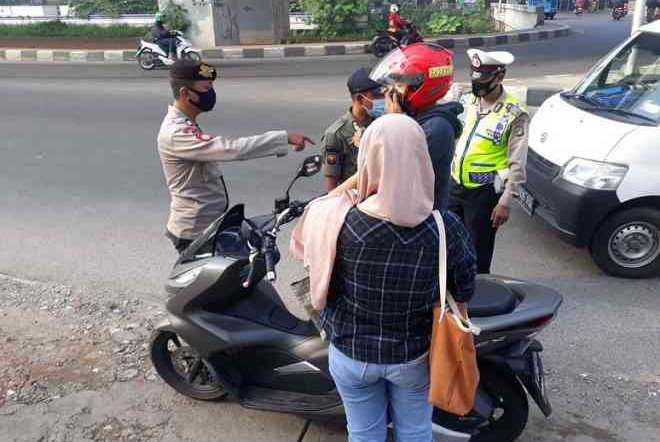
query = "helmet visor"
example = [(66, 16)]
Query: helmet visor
[(391, 71)]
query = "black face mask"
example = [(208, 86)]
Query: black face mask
[(206, 101), (483, 88)]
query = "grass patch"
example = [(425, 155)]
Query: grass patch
[(61, 29)]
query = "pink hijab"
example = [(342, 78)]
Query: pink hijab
[(395, 184)]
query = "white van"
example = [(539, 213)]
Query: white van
[(594, 160)]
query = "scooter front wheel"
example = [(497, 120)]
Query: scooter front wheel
[(192, 56), (509, 416), (182, 369)]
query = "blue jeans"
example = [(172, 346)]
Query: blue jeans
[(370, 391)]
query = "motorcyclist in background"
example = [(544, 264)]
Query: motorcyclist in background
[(397, 25), (165, 38)]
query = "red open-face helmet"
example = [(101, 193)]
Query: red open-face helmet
[(426, 69)]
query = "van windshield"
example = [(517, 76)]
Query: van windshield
[(627, 87)]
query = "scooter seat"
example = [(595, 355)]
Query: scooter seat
[(491, 298)]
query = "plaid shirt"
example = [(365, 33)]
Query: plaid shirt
[(385, 282)]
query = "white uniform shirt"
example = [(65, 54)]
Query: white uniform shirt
[(191, 164)]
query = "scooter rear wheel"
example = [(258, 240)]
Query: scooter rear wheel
[(182, 369), (509, 417)]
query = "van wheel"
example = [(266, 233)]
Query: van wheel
[(627, 245)]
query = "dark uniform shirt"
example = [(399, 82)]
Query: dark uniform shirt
[(339, 152)]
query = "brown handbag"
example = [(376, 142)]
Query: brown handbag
[(452, 356)]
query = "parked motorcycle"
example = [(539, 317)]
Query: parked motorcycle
[(228, 333), (579, 6), (386, 41), (151, 55)]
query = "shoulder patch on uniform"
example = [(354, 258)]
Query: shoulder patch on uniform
[(193, 130)]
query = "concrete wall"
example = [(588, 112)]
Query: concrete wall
[(516, 17), (233, 22)]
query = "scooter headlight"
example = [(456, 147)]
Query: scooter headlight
[(189, 276), (594, 174)]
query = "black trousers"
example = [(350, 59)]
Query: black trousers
[(167, 44), (179, 244), (475, 207)]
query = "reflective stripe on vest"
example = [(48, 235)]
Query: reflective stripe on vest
[(482, 149)]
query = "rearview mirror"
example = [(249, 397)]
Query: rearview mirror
[(310, 167)]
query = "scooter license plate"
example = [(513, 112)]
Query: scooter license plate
[(527, 201), (536, 386)]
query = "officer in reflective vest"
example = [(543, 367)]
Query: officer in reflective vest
[(489, 163)]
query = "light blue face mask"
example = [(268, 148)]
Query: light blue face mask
[(377, 108)]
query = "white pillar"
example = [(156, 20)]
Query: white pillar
[(638, 15)]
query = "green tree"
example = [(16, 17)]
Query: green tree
[(336, 17), (85, 8), (176, 16)]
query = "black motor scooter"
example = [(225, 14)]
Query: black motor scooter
[(229, 334)]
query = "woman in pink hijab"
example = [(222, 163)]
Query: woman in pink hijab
[(374, 274)]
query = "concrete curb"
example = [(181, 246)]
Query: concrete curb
[(315, 50)]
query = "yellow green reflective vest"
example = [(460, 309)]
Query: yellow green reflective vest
[(483, 147)]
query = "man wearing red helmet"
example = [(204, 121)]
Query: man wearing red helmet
[(418, 76), (490, 158)]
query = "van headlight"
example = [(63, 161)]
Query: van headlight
[(189, 276), (594, 174)]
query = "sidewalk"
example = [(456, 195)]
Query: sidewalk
[(548, 31)]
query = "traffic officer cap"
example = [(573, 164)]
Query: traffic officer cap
[(359, 81), (192, 70), (485, 64)]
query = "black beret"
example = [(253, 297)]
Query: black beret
[(192, 70), (359, 81)]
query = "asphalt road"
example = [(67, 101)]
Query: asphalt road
[(83, 202)]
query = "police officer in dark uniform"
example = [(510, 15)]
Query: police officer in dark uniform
[(340, 142)]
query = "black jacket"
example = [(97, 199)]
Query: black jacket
[(158, 31), (442, 128)]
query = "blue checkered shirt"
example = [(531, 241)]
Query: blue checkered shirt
[(385, 282)]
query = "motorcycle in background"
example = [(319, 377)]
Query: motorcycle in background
[(618, 12), (386, 41), (151, 55)]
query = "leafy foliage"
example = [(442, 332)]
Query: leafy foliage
[(85, 8), (176, 17), (296, 6), (442, 23), (60, 29), (336, 17)]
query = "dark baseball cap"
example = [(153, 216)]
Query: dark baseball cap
[(192, 70), (359, 81)]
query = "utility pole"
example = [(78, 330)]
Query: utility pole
[(638, 15)]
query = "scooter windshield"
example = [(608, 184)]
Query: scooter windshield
[(223, 236)]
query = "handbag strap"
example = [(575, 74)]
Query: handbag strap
[(446, 298)]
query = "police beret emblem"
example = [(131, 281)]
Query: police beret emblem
[(206, 71)]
